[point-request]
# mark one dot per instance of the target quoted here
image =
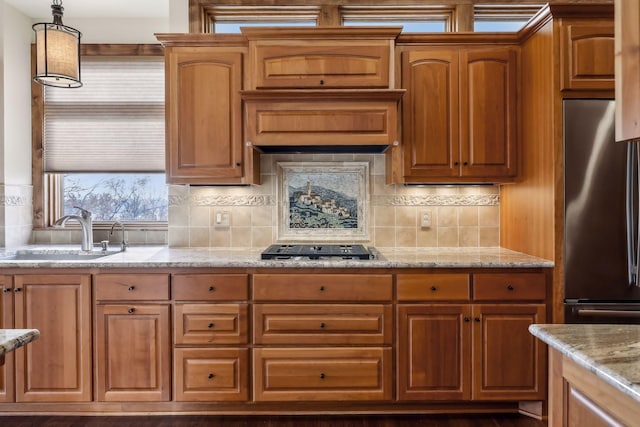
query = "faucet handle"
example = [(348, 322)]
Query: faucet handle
[(85, 213)]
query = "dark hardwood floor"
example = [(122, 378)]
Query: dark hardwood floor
[(275, 421)]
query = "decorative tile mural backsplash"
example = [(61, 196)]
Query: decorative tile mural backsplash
[(247, 216)]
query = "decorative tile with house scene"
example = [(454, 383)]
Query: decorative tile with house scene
[(323, 201)]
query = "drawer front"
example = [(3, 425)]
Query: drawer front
[(131, 287), (322, 324), (207, 375), (515, 286), (433, 287), (319, 65), (322, 374), (210, 324), (322, 287), (210, 287)]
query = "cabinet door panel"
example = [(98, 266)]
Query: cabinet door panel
[(57, 366), (488, 101), (430, 113), (133, 352), (587, 57), (6, 322), (509, 361), (434, 352)]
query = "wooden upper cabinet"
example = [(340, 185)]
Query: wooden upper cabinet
[(627, 70), (204, 116), (459, 114), (587, 54)]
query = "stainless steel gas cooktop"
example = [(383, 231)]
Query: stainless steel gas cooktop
[(317, 251)]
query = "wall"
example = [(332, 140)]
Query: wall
[(461, 215)]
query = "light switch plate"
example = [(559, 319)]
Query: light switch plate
[(222, 219)]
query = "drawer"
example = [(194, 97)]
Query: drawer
[(514, 286), (318, 64), (209, 375), (322, 374), (210, 287), (322, 324), (210, 324), (432, 287), (322, 287), (131, 287)]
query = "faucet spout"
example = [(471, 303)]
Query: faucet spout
[(85, 224), (123, 242)]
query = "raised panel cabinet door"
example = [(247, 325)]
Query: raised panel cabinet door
[(627, 69), (434, 352), (6, 322), (430, 114), (488, 111), (509, 362), (57, 366), (133, 352), (204, 131), (587, 57)]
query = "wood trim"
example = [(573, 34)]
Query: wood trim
[(329, 16), (463, 18)]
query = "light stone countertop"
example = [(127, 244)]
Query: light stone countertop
[(10, 339), (164, 257), (612, 352)]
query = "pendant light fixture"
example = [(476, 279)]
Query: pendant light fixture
[(57, 51)]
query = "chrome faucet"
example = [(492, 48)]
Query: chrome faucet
[(85, 223), (123, 244)]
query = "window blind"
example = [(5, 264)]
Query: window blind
[(114, 123)]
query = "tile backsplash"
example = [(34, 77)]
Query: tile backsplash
[(246, 216)]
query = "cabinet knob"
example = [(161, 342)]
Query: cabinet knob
[(6, 290), (433, 288), (238, 164), (466, 319), (322, 325), (456, 163), (132, 288), (321, 288), (322, 376), (131, 310), (321, 82), (210, 376), (210, 325), (477, 319), (212, 288), (510, 287), (17, 290), (465, 163)]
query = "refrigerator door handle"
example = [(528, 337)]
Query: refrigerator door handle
[(632, 241), (594, 312)]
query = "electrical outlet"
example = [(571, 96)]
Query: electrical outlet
[(425, 219), (222, 219)]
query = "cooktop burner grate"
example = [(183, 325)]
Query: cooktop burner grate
[(319, 251)]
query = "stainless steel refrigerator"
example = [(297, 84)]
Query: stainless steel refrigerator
[(600, 217)]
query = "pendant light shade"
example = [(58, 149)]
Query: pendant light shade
[(57, 51)]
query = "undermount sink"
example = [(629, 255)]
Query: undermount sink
[(55, 255)]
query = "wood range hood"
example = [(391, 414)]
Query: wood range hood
[(321, 90)]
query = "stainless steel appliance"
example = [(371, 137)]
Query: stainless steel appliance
[(600, 181), (318, 251)]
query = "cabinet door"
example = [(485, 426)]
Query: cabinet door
[(6, 322), (627, 64), (434, 352), (430, 113), (488, 110), (509, 362), (57, 366), (587, 55), (204, 141), (133, 352)]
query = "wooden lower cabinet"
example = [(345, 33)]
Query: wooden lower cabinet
[(57, 366), (6, 322), (211, 374), (133, 352), (322, 374)]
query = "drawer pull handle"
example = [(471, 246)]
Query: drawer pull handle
[(433, 288), (210, 325), (210, 376), (466, 319), (132, 288), (510, 287), (321, 288), (322, 325), (321, 82), (131, 310), (212, 288), (322, 376)]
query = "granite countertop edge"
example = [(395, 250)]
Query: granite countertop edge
[(11, 339), (165, 257), (598, 349)]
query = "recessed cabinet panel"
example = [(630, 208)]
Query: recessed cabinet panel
[(587, 58), (210, 324)]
